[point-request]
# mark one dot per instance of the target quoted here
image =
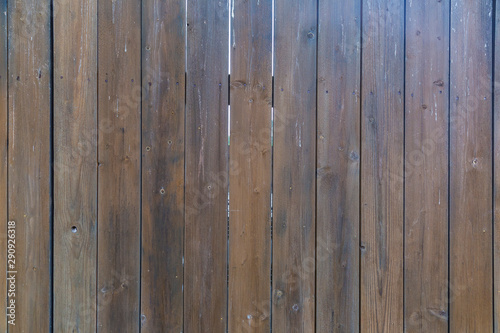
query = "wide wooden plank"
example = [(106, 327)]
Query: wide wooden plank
[(4, 109), (338, 140), (294, 174), (29, 174), (250, 160), (471, 293), (382, 166), (426, 166), (119, 173), (75, 159), (205, 271), (163, 76)]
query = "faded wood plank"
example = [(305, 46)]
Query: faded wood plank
[(382, 166), (294, 171), (250, 160), (426, 167), (338, 140), (205, 285), (119, 173), (75, 159), (163, 76), (4, 109), (496, 170), (29, 160), (471, 293)]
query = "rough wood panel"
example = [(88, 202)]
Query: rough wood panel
[(471, 293), (4, 109), (294, 174), (75, 159), (163, 76), (496, 170), (426, 167), (382, 166), (250, 160), (119, 173), (338, 137), (205, 285), (29, 160)]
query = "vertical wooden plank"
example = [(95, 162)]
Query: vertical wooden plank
[(382, 166), (4, 109), (29, 160), (119, 173), (250, 160), (75, 159), (163, 72), (293, 167), (496, 170), (426, 167), (338, 137), (205, 285), (471, 293)]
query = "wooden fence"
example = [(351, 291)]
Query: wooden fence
[(357, 191)]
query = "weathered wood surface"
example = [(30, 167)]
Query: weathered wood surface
[(119, 170), (426, 166), (338, 162), (250, 161)]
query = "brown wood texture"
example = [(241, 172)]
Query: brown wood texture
[(426, 166), (29, 160), (471, 64), (4, 110), (496, 176), (382, 140), (338, 162), (294, 181), (75, 160), (119, 170), (249, 294), (206, 183), (163, 78)]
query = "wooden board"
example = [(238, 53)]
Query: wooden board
[(205, 271), (471, 293), (75, 160), (382, 141), (4, 109), (496, 175), (294, 174), (426, 166), (29, 171), (250, 159), (119, 171), (338, 161), (163, 76)]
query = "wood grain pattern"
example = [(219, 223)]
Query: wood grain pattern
[(163, 72), (382, 166), (250, 160), (338, 142), (426, 167), (29, 160), (205, 285), (471, 293), (496, 170), (75, 159), (119, 172), (4, 109), (294, 180)]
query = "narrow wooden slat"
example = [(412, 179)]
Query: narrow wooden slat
[(4, 109), (250, 160), (338, 137), (205, 285), (293, 166), (471, 293), (496, 170), (426, 167), (163, 76), (382, 166), (75, 159), (29, 160), (119, 174)]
